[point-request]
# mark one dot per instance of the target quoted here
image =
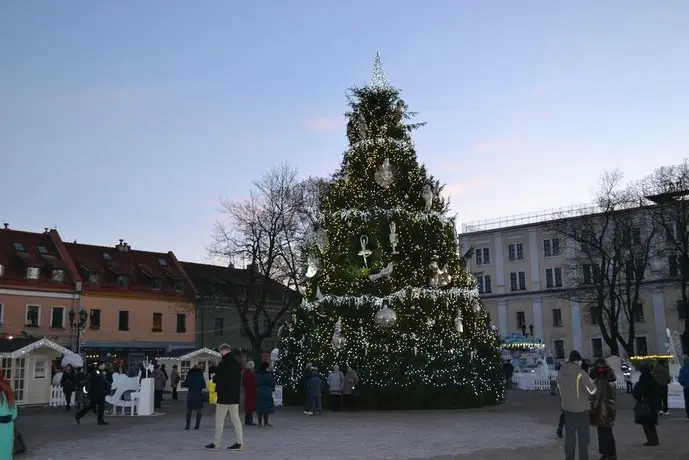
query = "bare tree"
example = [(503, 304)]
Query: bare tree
[(667, 191), (266, 233), (610, 249)]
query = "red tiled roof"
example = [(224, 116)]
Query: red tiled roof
[(146, 271), (21, 250)]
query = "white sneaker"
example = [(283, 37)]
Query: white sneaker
[(306, 412)]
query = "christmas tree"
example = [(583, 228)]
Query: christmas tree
[(390, 296)]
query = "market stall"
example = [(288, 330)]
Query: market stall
[(186, 358)]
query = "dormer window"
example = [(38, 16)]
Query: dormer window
[(42, 249), (94, 278), (157, 284), (162, 262), (19, 247), (123, 281), (33, 273), (106, 256), (58, 275), (179, 286)]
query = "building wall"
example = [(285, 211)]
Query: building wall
[(537, 300), (140, 320), (218, 325), (15, 304)]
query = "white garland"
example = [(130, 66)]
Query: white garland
[(347, 214), (363, 300), (42, 343), (193, 354), (380, 141)]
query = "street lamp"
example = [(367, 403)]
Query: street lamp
[(77, 322)]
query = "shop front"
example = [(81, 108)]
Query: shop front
[(128, 358)]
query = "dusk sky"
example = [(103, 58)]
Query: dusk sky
[(131, 119)]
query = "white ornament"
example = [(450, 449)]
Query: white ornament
[(385, 317), (459, 326), (384, 273), (338, 341), (415, 351), (385, 174), (362, 126), (476, 307), (439, 278), (427, 195), (365, 252), (320, 238), (312, 268), (472, 354), (394, 238), (430, 322), (319, 294)]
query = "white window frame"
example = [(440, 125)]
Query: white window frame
[(481, 282), (602, 346), (44, 361), (564, 348), (64, 310), (552, 318), (482, 257), (30, 271), (551, 247), (26, 314), (553, 277), (57, 279), (638, 337), (515, 247)]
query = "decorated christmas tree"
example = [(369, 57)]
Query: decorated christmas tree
[(390, 296)]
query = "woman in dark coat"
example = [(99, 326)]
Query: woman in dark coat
[(647, 391), (265, 385), (69, 384), (195, 383), (249, 384), (603, 408)]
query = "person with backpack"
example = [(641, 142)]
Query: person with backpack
[(661, 374)]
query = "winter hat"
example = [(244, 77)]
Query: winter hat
[(574, 356)]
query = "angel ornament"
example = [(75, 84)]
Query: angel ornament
[(399, 113), (394, 237), (362, 126), (313, 266), (427, 195), (385, 174), (439, 278)]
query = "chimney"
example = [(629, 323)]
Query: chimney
[(6, 225), (45, 229), (251, 268), (231, 265), (127, 247), (120, 247)]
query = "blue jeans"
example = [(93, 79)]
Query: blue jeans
[(316, 403)]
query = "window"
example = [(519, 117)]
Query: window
[(553, 277), (33, 273), (123, 281), (94, 318), (551, 247), (218, 325), (57, 318), (557, 317), (33, 316), (39, 369), (640, 345), (515, 251), (596, 347), (681, 311), (559, 348), (482, 256), (521, 319), (58, 275), (94, 278), (595, 313), (123, 323), (518, 281), (157, 284), (673, 265), (157, 322), (638, 310), (106, 256), (181, 322), (591, 273), (42, 249), (483, 281), (162, 262), (179, 286), (19, 247)]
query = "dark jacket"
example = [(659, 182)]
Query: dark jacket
[(228, 380), (265, 385), (97, 383), (647, 390), (68, 382), (603, 402), (575, 388), (195, 383), (661, 374), (684, 375), (315, 386)]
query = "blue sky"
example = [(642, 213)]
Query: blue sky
[(131, 119)]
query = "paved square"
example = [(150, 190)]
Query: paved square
[(522, 428)]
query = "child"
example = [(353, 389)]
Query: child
[(315, 393)]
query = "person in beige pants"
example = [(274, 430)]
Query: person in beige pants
[(228, 375)]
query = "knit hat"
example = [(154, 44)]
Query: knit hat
[(574, 356)]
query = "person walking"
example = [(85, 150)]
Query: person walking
[(68, 382), (603, 408), (335, 386), (576, 389), (159, 380), (684, 381), (228, 380), (97, 387), (8, 414), (646, 392), (265, 386), (249, 385), (661, 374), (174, 381), (195, 383)]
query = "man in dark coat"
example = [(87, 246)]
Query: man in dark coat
[(228, 377), (97, 390)]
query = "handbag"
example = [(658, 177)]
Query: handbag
[(19, 445), (642, 413), (212, 395)]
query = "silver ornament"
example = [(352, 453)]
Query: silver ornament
[(365, 252), (427, 195), (384, 273), (385, 317), (385, 174), (313, 266), (362, 126), (459, 325), (320, 238), (338, 341), (476, 306), (439, 278), (394, 237)]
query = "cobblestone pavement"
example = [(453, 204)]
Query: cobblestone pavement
[(522, 428)]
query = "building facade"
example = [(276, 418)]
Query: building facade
[(217, 318), (39, 286), (138, 304), (523, 267)]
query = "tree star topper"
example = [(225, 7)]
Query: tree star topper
[(379, 81)]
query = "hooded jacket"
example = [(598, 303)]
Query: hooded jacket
[(603, 402), (684, 374), (575, 388)]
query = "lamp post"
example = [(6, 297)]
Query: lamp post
[(77, 322)]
